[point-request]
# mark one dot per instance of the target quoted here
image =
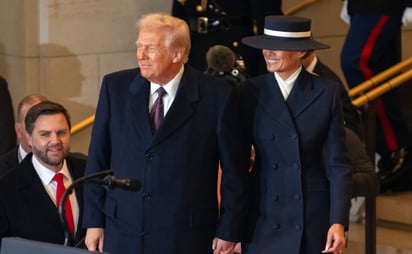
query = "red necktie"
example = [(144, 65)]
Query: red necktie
[(156, 116), (67, 207)]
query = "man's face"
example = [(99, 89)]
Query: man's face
[(50, 140), (20, 128), (285, 63), (157, 63)]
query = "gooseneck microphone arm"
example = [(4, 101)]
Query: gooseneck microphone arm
[(109, 182), (62, 213)]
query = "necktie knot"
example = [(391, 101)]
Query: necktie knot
[(58, 178), (161, 92)]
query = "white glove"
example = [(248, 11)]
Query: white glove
[(407, 17), (344, 15)]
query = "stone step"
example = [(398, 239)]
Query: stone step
[(388, 240), (394, 225), (395, 208)]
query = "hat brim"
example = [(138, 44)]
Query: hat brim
[(270, 43)]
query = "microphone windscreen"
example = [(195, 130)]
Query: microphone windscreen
[(220, 58)]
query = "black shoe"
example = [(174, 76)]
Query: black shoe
[(392, 163), (398, 177)]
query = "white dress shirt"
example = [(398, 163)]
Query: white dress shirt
[(171, 89), (46, 176)]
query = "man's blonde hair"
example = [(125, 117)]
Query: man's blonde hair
[(178, 35)]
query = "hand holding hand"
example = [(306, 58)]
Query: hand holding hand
[(220, 246)]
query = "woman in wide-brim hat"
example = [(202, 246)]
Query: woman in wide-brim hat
[(301, 179)]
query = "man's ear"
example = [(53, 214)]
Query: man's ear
[(177, 56), (17, 128), (28, 138)]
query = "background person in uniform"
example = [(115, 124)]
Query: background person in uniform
[(28, 206), (11, 159), (7, 135), (300, 195), (372, 45), (227, 22), (177, 161)]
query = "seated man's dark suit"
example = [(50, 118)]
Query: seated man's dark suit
[(8, 161), (27, 211), (7, 134)]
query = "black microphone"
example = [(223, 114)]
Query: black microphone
[(111, 182), (221, 58)]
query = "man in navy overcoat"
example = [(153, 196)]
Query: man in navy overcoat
[(176, 210)]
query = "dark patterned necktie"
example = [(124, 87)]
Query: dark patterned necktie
[(156, 116)]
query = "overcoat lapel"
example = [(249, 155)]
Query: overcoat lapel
[(31, 188), (271, 99), (180, 111), (139, 101), (182, 107), (303, 94)]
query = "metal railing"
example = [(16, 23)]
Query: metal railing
[(376, 86)]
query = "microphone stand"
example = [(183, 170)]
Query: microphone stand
[(62, 213)]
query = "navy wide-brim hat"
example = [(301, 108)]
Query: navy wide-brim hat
[(287, 33)]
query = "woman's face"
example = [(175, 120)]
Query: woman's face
[(285, 63)]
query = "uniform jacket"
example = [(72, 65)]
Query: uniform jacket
[(378, 7), (176, 211), (237, 22), (26, 209), (296, 194)]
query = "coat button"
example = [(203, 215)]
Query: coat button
[(276, 227), (275, 166), (145, 235), (148, 156), (298, 227), (296, 165), (147, 196), (297, 197), (276, 198)]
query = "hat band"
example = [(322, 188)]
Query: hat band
[(276, 33)]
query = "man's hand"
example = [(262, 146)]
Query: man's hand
[(94, 239)]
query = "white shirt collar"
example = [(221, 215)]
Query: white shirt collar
[(46, 175), (21, 153), (311, 67), (287, 85), (171, 89)]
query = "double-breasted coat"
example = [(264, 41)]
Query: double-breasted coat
[(301, 178), (176, 211)]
